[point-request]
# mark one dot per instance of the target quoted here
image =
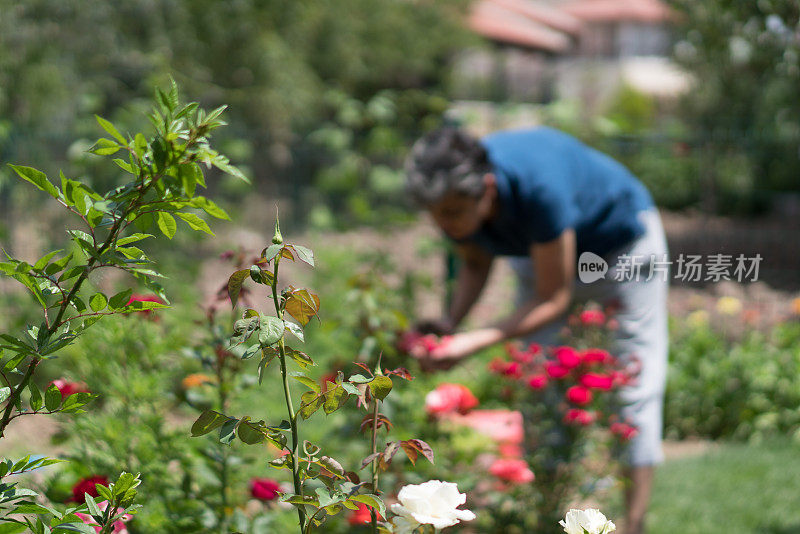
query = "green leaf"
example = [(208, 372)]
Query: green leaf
[(98, 302), (305, 254), (370, 500), (36, 397), (44, 260), (270, 330), (133, 238), (52, 398), (5, 393), (251, 433), (14, 528), (251, 351), (195, 222), (92, 505), (105, 147), (235, 284), (120, 300), (108, 127), (228, 431), (210, 207), (267, 355), (306, 381), (166, 223), (208, 421), (37, 178), (380, 386), (271, 251), (138, 306), (295, 329), (310, 403), (76, 401), (140, 145), (300, 358), (334, 399)]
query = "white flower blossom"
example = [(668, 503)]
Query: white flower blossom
[(589, 521), (431, 503)]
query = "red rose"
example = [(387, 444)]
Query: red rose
[(579, 417), (534, 348), (568, 357), (505, 368), (555, 370), (623, 430), (450, 398), (362, 516), (537, 381), (597, 381), (264, 489), (591, 356), (579, 395), (67, 388), (87, 485), (592, 318), (512, 470)]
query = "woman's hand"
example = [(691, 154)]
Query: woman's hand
[(455, 348)]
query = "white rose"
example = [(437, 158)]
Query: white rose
[(431, 503), (590, 521)]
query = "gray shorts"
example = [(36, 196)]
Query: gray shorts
[(642, 317)]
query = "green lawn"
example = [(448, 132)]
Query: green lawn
[(735, 489)]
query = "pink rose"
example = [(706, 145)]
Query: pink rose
[(67, 388), (579, 417), (119, 525), (556, 370), (503, 426), (592, 318), (568, 357), (512, 470), (597, 381), (537, 381), (264, 489), (450, 398), (579, 395)]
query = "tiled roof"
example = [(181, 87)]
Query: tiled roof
[(502, 20), (618, 10)]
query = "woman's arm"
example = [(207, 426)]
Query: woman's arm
[(555, 275), (470, 281)]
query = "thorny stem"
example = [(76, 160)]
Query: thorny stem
[(372, 513), (298, 488)]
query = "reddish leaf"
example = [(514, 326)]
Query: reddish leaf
[(368, 460), (363, 366), (402, 372), (422, 447), (410, 450)]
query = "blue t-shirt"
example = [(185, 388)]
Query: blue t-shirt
[(548, 181)]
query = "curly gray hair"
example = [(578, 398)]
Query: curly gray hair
[(446, 161)]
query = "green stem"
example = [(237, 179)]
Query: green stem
[(298, 488), (373, 515)]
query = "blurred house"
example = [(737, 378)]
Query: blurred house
[(577, 49)]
